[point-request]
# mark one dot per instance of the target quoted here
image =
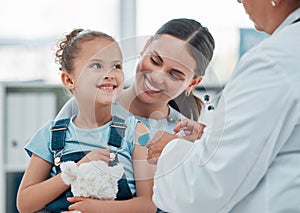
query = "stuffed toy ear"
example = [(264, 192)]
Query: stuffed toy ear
[(117, 171), (69, 172)]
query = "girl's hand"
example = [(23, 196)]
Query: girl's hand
[(96, 154), (85, 205)]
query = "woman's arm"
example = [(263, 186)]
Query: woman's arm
[(36, 190)]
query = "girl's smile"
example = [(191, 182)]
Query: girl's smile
[(107, 87)]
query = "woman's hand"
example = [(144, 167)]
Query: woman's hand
[(187, 129), (157, 144)]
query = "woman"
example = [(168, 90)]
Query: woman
[(249, 160), (172, 62), (164, 73)]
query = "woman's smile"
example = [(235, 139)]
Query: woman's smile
[(149, 88)]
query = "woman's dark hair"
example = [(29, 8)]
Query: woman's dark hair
[(200, 44), (69, 46)]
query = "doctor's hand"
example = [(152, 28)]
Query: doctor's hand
[(157, 144), (189, 130)]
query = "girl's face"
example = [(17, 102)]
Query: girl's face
[(165, 70), (98, 74)]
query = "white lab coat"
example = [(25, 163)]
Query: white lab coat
[(249, 161)]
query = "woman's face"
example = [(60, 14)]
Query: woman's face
[(257, 11), (165, 70), (98, 74)]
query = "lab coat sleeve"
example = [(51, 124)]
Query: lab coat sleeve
[(217, 171)]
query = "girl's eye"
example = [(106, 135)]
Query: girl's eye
[(154, 61), (96, 66), (117, 66)]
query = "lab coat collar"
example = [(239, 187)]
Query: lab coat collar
[(289, 20)]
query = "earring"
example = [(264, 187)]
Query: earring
[(187, 93), (189, 90), (140, 55), (273, 2)]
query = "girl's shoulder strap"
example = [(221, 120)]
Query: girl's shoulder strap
[(117, 131), (58, 131)]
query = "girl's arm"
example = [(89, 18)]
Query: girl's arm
[(36, 190), (144, 173)]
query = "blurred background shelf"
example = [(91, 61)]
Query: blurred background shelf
[(24, 108)]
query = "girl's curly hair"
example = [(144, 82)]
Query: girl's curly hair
[(69, 46)]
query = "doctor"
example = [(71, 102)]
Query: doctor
[(249, 160)]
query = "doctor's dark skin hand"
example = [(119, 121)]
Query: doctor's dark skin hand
[(187, 129)]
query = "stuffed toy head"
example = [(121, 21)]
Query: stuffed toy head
[(94, 179)]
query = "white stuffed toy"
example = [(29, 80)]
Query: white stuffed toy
[(94, 179)]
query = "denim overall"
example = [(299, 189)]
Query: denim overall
[(117, 132)]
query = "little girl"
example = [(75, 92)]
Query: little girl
[(91, 65)]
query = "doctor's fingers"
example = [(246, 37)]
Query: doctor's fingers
[(190, 128), (196, 132), (186, 124)]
